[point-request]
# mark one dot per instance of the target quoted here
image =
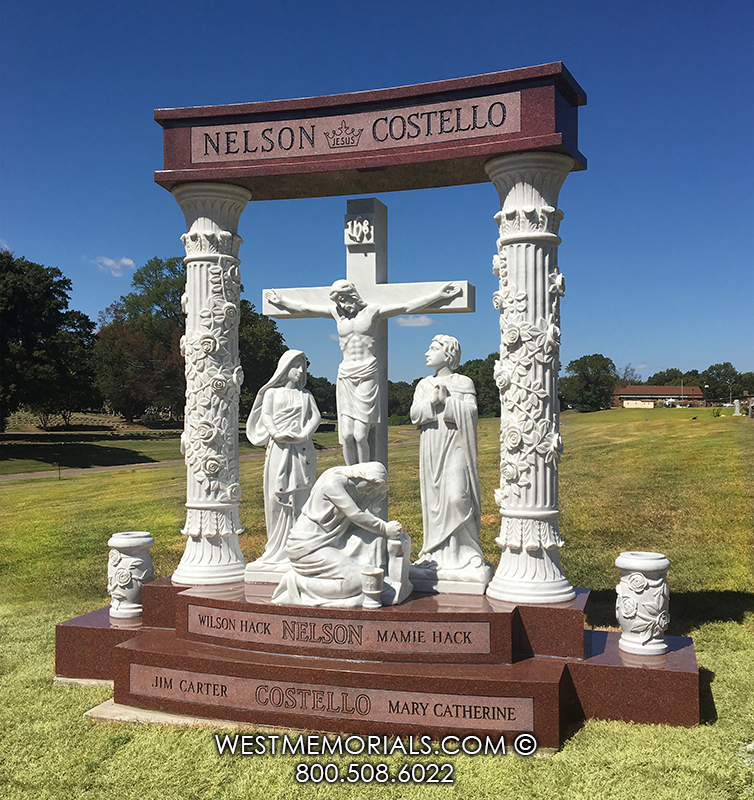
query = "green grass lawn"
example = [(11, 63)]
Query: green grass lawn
[(106, 450), (655, 480)]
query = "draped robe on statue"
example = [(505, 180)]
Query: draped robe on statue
[(289, 468), (330, 543), (451, 507)]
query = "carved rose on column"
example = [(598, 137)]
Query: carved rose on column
[(511, 438), (213, 378), (528, 429)]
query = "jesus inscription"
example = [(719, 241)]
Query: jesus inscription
[(355, 636)]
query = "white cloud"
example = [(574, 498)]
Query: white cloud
[(415, 322), (333, 337), (641, 366), (115, 268), (4, 245)]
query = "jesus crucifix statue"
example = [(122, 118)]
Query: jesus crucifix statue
[(360, 307)]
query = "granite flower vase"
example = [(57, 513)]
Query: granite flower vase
[(129, 568), (642, 603)]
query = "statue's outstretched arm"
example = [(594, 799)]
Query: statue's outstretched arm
[(446, 292), (295, 306)]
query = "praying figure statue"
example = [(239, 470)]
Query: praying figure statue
[(341, 553), (284, 417), (357, 388), (444, 407)]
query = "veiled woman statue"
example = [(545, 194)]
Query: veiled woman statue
[(284, 417), (444, 407), (339, 548)]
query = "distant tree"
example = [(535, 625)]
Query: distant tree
[(45, 349), (69, 362), (692, 378), (124, 366), (260, 345), (594, 380), (487, 394), (324, 394), (629, 376), (746, 379), (400, 395), (722, 381), (667, 377), (567, 391), (154, 308)]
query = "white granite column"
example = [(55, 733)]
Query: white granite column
[(213, 382), (527, 375)]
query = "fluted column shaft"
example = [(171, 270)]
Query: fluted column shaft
[(213, 382), (528, 298)]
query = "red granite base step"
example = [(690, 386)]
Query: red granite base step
[(158, 671), (436, 664)]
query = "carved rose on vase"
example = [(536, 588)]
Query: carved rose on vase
[(122, 577), (628, 607), (219, 384), (637, 582), (234, 491), (652, 617), (238, 377), (114, 557), (184, 302)]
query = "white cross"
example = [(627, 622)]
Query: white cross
[(363, 335)]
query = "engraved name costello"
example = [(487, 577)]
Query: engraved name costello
[(367, 130)]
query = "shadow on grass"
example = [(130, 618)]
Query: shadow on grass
[(74, 455), (707, 708), (688, 610)]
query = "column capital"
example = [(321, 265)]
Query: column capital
[(528, 185), (212, 212)]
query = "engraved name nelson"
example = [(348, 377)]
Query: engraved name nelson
[(372, 130), (365, 635)]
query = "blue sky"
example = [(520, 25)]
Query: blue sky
[(657, 236)]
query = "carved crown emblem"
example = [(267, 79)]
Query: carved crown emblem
[(344, 136)]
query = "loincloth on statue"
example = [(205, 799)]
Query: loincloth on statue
[(357, 391)]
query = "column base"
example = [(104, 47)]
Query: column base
[(531, 577), (210, 560)]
